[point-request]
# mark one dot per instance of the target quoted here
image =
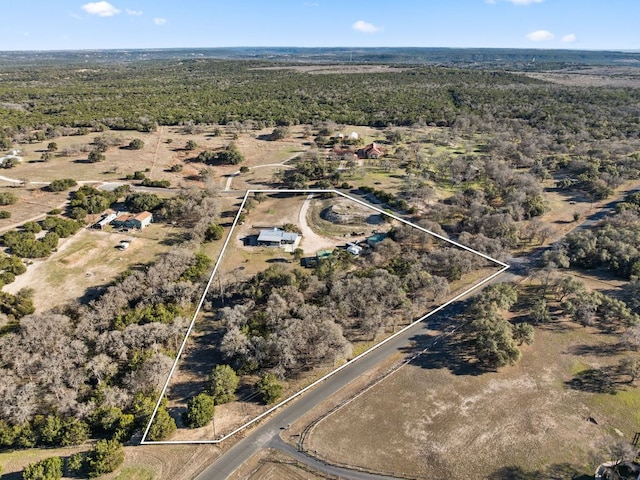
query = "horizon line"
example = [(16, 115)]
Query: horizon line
[(265, 47)]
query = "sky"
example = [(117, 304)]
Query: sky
[(129, 24)]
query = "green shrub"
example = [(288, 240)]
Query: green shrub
[(62, 184), (224, 383), (269, 388), (200, 410), (163, 425), (8, 198), (106, 456), (47, 469), (136, 144), (213, 232)]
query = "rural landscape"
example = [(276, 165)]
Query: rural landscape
[(319, 264)]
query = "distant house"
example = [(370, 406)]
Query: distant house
[(138, 221), (373, 150), (275, 237)]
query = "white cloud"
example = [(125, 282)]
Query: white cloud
[(75, 15), (135, 13), (311, 4), (159, 21), (569, 38), (102, 9), (365, 27), (540, 36)]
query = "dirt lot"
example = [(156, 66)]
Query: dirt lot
[(441, 420)]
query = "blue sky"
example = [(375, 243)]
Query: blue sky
[(70, 24)]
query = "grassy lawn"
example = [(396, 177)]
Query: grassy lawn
[(15, 461)]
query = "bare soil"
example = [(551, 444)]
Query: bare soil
[(593, 77)]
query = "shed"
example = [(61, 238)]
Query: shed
[(375, 239), (105, 220)]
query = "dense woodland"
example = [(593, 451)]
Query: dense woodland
[(289, 322)]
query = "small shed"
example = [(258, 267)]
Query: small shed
[(105, 220), (354, 249)]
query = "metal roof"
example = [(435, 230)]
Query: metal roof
[(276, 235)]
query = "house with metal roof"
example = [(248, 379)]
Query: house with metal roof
[(275, 237)]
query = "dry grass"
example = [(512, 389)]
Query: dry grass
[(619, 77), (275, 465), (438, 421)]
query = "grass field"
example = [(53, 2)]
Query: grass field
[(442, 420)]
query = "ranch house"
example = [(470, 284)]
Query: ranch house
[(275, 237)]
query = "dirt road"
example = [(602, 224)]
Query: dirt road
[(311, 242)]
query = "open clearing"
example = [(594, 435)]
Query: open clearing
[(87, 260), (440, 420), (275, 465)]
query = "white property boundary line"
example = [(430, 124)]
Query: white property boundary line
[(144, 440)]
